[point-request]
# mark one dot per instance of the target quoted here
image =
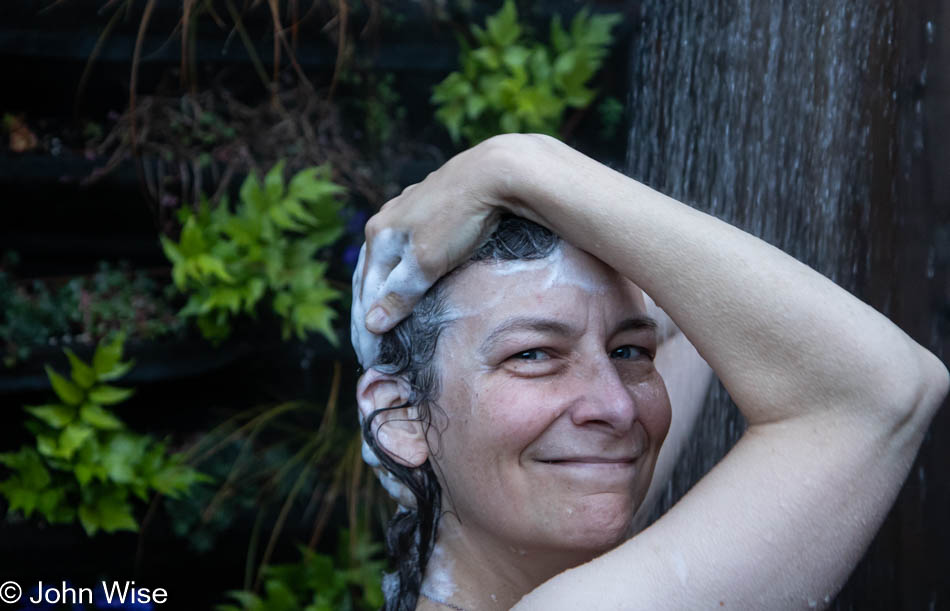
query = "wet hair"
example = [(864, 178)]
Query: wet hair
[(408, 350)]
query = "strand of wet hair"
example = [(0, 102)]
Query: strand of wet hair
[(410, 535)]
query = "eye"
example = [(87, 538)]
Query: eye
[(630, 352), (535, 354)]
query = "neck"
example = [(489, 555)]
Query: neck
[(471, 570)]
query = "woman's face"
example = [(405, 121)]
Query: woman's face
[(555, 412)]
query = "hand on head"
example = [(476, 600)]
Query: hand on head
[(425, 232)]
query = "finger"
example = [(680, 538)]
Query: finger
[(383, 254), (365, 344), (386, 312), (404, 287)]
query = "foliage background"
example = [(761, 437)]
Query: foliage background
[(130, 128), (73, 195)]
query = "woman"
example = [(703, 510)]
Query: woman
[(541, 421)]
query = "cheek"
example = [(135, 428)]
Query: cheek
[(653, 405), (516, 412), (495, 419)]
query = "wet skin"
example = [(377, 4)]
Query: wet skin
[(553, 411)]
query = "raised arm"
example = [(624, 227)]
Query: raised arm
[(837, 398), (687, 378)]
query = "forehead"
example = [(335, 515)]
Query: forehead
[(567, 283)]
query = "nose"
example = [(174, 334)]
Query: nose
[(605, 400)]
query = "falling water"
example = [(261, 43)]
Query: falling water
[(780, 120)]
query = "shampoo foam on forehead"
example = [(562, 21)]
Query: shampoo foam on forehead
[(394, 268), (567, 266)]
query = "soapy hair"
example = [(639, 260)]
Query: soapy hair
[(408, 350)]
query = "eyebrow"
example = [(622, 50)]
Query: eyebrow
[(556, 327)]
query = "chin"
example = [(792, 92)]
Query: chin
[(600, 524)]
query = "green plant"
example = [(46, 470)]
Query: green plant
[(292, 464), (510, 83), (352, 580), (86, 463), (84, 309), (28, 318), (229, 261), (371, 102), (611, 116)]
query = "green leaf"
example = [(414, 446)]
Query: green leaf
[(47, 445), (71, 438), (117, 372), (122, 454), (516, 57), (248, 600), (559, 38), (224, 297), (106, 358), (109, 395), (313, 185), (252, 293), (274, 182), (503, 28), (282, 219), (211, 265), (85, 472), (55, 415), (49, 501), (488, 57), (192, 241), (293, 207), (173, 479), (109, 512), (82, 374), (94, 414), (32, 472), (68, 392), (252, 195), (214, 327), (19, 497)]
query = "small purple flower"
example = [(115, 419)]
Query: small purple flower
[(115, 604), (351, 255), (27, 603), (356, 222)]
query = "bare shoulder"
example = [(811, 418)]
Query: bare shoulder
[(779, 523)]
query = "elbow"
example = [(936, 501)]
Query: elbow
[(925, 393), (936, 383)]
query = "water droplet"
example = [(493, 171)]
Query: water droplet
[(929, 32)]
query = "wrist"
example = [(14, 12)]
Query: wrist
[(520, 166)]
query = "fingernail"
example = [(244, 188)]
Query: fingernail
[(376, 319)]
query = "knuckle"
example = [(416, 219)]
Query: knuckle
[(389, 204), (373, 227)]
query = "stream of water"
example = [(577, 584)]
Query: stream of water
[(780, 120)]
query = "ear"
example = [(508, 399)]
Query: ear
[(397, 431)]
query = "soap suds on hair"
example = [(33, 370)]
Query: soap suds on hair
[(393, 251), (392, 268)]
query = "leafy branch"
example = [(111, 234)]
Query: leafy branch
[(230, 261), (510, 83), (86, 463)]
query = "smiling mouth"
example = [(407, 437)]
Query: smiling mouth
[(590, 460)]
